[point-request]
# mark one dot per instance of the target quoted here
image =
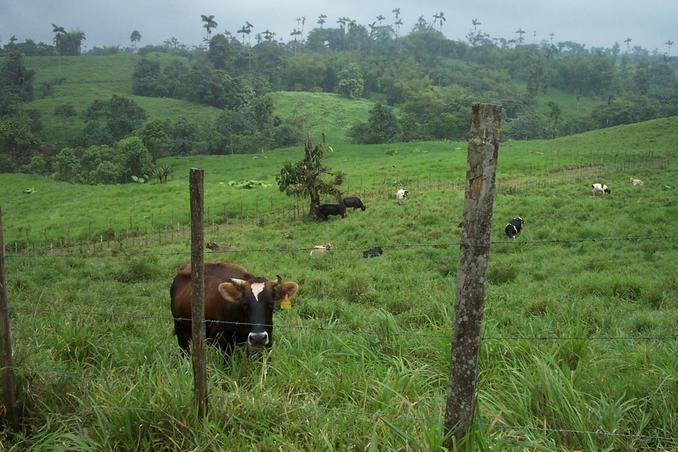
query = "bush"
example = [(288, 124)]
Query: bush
[(65, 110)]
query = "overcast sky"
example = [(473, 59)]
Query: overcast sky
[(649, 23)]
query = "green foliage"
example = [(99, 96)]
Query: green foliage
[(135, 160), (363, 356), (15, 78), (119, 116), (65, 110), (351, 83), (382, 127), (69, 43), (307, 178)]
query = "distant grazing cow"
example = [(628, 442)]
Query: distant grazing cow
[(324, 210), (401, 195), (238, 306), (373, 252), (353, 202), (635, 182), (514, 227), (320, 249), (599, 188)]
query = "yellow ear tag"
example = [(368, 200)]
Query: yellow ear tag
[(286, 303)]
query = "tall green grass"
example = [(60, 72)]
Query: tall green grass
[(361, 360)]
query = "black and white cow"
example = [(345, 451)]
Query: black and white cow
[(401, 195), (599, 188), (514, 227)]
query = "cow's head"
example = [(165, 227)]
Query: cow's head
[(257, 298)]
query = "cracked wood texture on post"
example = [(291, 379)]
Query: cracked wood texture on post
[(483, 148), (198, 354)]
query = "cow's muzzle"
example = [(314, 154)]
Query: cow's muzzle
[(258, 340)]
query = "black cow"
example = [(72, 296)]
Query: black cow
[(373, 252), (354, 202), (514, 227), (238, 306), (324, 210)]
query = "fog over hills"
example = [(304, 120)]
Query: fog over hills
[(649, 24)]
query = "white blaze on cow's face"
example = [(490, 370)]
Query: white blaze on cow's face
[(257, 288)]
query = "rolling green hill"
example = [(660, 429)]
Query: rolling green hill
[(60, 209), (578, 350), (87, 78)]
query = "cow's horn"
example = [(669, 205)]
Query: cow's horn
[(276, 281), (238, 282)]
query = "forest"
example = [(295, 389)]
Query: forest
[(420, 85)]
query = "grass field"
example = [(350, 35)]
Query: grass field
[(361, 361), (87, 78)]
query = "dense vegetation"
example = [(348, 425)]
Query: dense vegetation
[(420, 85), (361, 359)]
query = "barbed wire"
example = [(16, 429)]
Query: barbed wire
[(292, 209), (672, 439), (332, 329), (438, 245), (221, 396)]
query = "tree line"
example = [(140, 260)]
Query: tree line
[(421, 82)]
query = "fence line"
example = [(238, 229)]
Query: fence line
[(443, 335), (379, 190), (224, 397), (395, 245), (673, 439), (221, 396)]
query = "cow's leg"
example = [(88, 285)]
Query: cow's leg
[(183, 332)]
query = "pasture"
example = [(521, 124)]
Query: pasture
[(580, 331)]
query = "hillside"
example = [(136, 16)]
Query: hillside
[(59, 209), (87, 78), (579, 332)]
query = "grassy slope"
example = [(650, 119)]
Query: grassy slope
[(59, 209), (378, 375), (88, 78)]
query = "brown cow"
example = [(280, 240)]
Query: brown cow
[(238, 306)]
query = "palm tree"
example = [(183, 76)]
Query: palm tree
[(209, 24), (475, 23), (268, 35), (551, 35), (135, 37), (668, 43), (321, 20), (440, 18), (520, 33), (398, 21), (380, 19), (245, 30), (628, 43)]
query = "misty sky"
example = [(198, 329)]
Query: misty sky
[(649, 23)]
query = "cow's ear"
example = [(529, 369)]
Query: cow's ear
[(287, 289), (230, 292)]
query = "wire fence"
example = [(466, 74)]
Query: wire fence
[(92, 252), (441, 333), (226, 399), (263, 209)]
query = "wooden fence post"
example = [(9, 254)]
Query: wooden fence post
[(198, 296), (8, 381), (483, 150)]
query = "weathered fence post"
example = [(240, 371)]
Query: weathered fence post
[(483, 150), (8, 380), (196, 179)]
